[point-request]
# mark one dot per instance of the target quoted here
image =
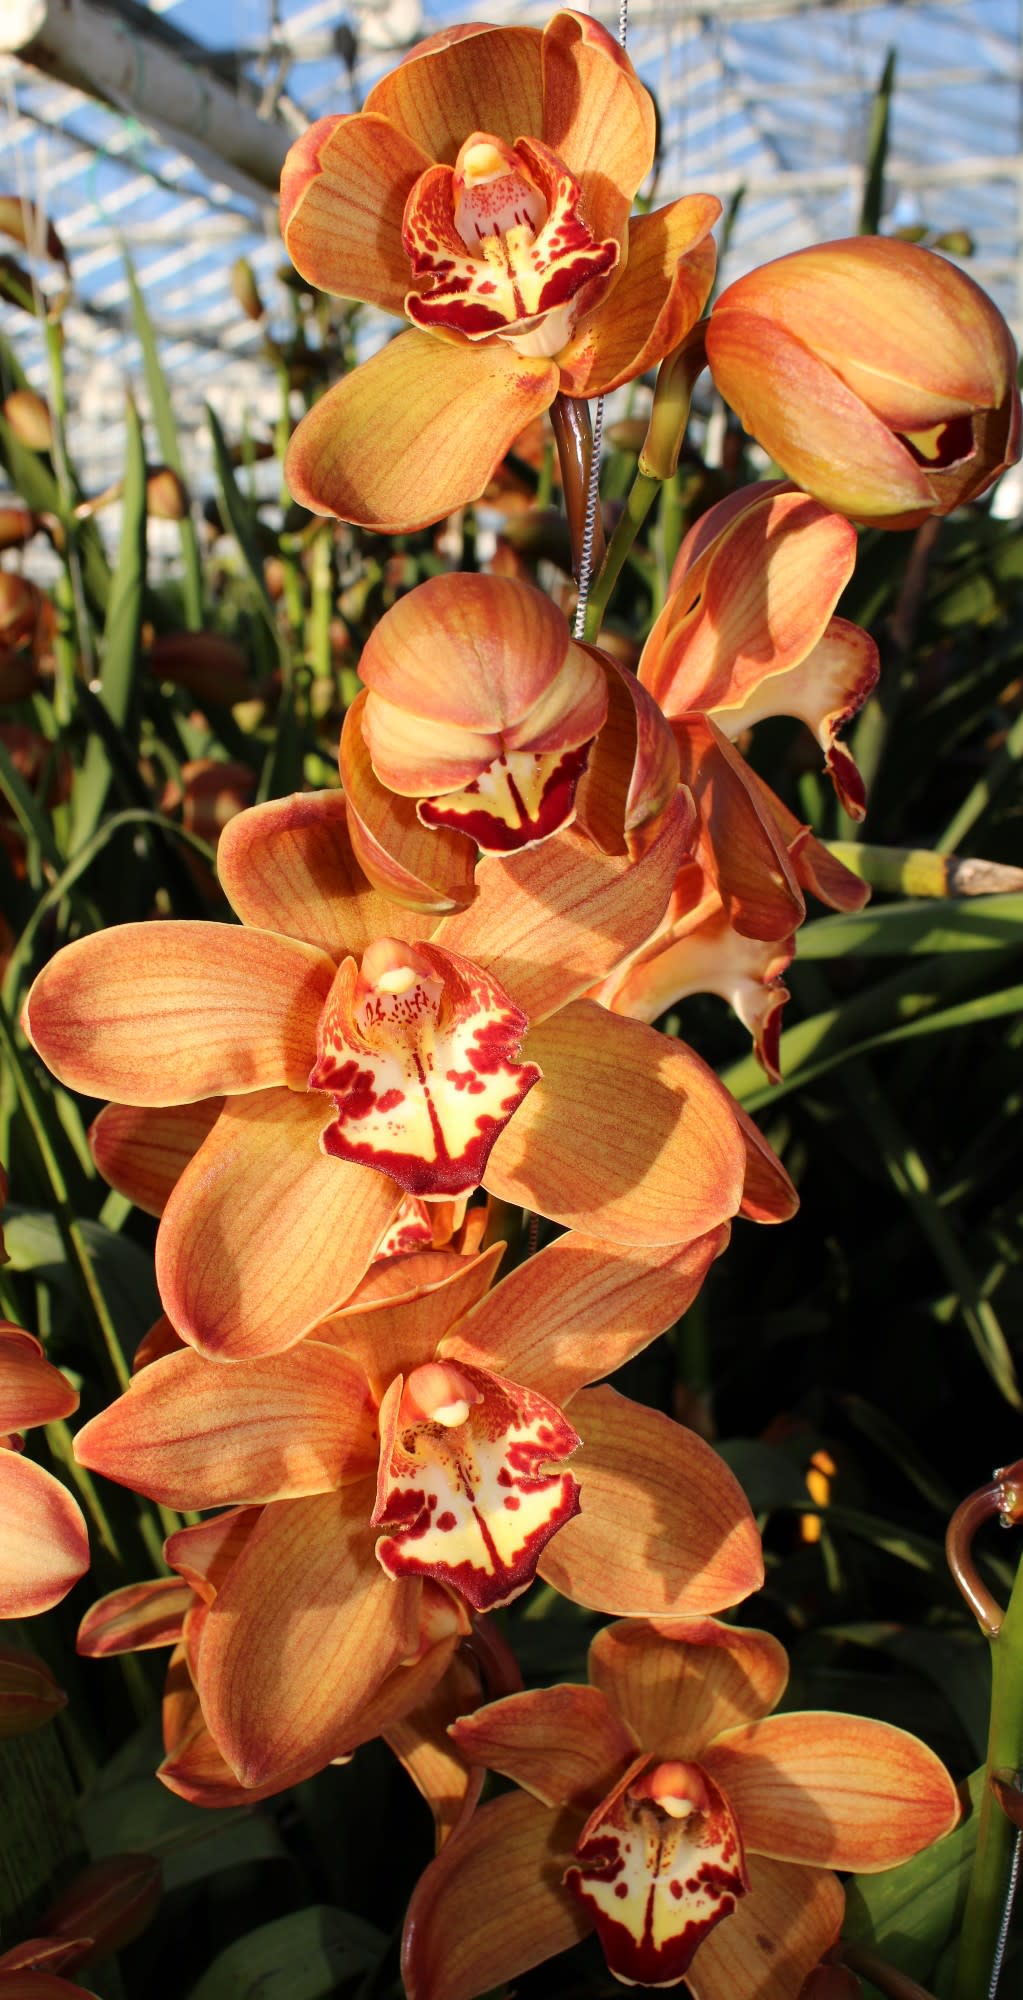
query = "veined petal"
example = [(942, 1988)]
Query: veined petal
[(774, 1938), (597, 116), (714, 958), (815, 867), (344, 186), (32, 1391), (631, 776), (549, 921), (751, 595), (652, 306), (679, 1682), (563, 1744), (302, 1632), (193, 1767), (656, 1882), (424, 870), (418, 1049), (45, 1545), (825, 691), (579, 1310), (290, 866), (486, 80), (444, 1622), (492, 1904), (143, 1151), (503, 644), (135, 1618), (420, 1741), (678, 1159), (452, 411), (187, 1436), (166, 1013), (767, 1192), (739, 845), (203, 1555), (394, 1336), (471, 1500), (836, 1790), (158, 1341), (264, 1235), (663, 1528)]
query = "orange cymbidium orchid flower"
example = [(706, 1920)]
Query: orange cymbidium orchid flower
[(450, 1666), (422, 1438), (348, 1086), (484, 719), (748, 632), (875, 373), (666, 1808), (45, 1544), (484, 192)]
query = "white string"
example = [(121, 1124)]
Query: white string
[(593, 484)]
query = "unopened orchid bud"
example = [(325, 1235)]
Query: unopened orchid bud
[(109, 1903), (210, 666), (166, 494), (246, 290), (29, 419), (29, 1695), (875, 373)]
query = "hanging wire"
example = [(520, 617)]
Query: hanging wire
[(593, 485), (1003, 1931)]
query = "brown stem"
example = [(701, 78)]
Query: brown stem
[(897, 1985), (573, 435), (969, 1516)]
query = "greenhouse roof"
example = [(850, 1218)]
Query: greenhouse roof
[(160, 129)]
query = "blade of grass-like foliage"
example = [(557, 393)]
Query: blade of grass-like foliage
[(911, 1912), (118, 677), (238, 514), (1002, 766), (167, 433), (32, 476), (304, 1956), (32, 819), (966, 924), (890, 1438), (872, 207)]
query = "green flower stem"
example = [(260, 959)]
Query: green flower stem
[(995, 1833), (639, 500)]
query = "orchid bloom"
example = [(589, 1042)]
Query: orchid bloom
[(875, 372), (449, 1668), (483, 719), (421, 1436), (665, 1807), (31, 1970), (45, 1543), (483, 192), (364, 1054)]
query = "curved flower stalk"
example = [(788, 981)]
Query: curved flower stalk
[(447, 1436), (45, 1547), (424, 1065), (484, 193), (665, 1807), (876, 373), (484, 721)]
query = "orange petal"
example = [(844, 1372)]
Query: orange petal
[(563, 1744), (264, 1235), (290, 866), (655, 1881), (423, 869), (679, 1682), (825, 691), (652, 305), (677, 1164), (816, 868), (283, 1426), (751, 595), (492, 1904), (135, 1619), (32, 1391), (486, 80), (550, 920), (203, 1555), (664, 1527), (631, 776), (166, 1013), (194, 1768), (143, 1152), (396, 1335), (471, 1496), (775, 1936), (767, 1193), (835, 1790), (503, 645), (739, 845), (597, 116), (344, 186), (714, 958), (420, 1740), (45, 1545), (302, 1632), (578, 1310), (450, 411), (161, 1339)]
